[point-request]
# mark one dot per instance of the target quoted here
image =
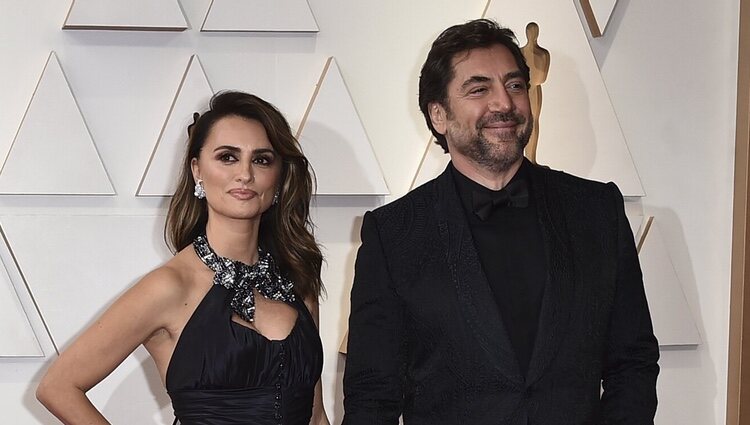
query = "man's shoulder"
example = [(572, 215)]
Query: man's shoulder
[(414, 208), (415, 200), (407, 227), (569, 185)]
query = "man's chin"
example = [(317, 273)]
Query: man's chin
[(500, 134), (504, 142)]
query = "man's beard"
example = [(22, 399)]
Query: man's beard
[(497, 156)]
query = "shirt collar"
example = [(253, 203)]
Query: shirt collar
[(465, 185)]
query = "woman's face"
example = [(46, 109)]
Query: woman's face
[(239, 167)]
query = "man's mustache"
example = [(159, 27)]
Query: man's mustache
[(501, 117)]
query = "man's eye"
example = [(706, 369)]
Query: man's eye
[(478, 90), (516, 86)]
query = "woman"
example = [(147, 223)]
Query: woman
[(231, 319)]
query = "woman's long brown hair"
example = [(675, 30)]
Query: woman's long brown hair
[(285, 228)]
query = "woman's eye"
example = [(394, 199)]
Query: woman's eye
[(227, 157), (263, 160)]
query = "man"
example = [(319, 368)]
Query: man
[(501, 292)]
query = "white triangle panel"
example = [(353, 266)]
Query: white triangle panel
[(17, 337), (598, 13), (133, 15), (335, 142), (193, 95), (434, 161), (84, 264), (579, 132), (53, 152), (637, 224), (672, 319), (260, 15), (71, 276)]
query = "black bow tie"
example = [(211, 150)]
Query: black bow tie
[(515, 194)]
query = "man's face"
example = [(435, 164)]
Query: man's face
[(487, 119)]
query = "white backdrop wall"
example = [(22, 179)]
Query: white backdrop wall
[(669, 66)]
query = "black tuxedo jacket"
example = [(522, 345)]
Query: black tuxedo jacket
[(426, 339)]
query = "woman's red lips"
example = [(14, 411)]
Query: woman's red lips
[(243, 194)]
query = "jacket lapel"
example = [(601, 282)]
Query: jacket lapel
[(559, 290), (475, 300)]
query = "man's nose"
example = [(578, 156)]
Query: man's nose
[(500, 101)]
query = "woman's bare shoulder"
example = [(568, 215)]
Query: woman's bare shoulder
[(170, 283)]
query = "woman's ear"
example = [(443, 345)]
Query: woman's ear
[(195, 169)]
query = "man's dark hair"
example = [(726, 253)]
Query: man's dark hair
[(437, 71)]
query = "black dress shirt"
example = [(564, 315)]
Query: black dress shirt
[(511, 251)]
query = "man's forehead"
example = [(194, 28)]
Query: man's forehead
[(462, 57)]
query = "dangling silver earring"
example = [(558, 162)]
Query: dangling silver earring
[(199, 192), (276, 198)]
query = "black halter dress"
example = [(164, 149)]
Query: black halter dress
[(225, 373)]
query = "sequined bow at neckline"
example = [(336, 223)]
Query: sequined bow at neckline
[(263, 276)]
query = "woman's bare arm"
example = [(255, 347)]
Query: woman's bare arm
[(132, 318)]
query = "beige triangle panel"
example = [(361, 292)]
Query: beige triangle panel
[(260, 16), (53, 152), (163, 168), (126, 15), (335, 142)]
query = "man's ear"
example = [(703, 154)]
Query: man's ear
[(438, 116)]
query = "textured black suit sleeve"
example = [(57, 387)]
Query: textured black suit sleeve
[(630, 369), (374, 374)]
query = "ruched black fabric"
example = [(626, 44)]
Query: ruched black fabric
[(224, 373)]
